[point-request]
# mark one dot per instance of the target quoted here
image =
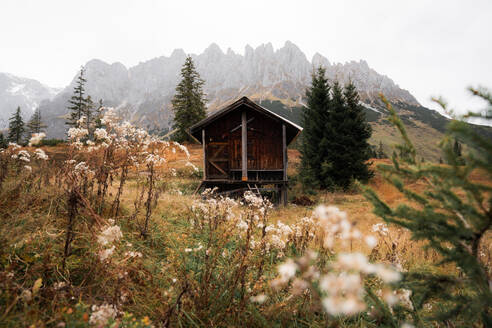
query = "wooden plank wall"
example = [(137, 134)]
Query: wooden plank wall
[(265, 142)]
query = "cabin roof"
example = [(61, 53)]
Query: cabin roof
[(292, 129)]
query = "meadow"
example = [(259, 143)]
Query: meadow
[(110, 233)]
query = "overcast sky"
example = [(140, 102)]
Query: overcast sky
[(428, 47)]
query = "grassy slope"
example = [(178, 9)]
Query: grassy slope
[(424, 126)]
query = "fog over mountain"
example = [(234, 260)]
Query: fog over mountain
[(26, 93)]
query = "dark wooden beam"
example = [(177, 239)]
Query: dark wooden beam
[(244, 147), (218, 168), (240, 125), (284, 150), (283, 188), (204, 155)]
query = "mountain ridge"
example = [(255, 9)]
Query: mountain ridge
[(21, 92), (142, 93)]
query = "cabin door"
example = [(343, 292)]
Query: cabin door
[(218, 159)]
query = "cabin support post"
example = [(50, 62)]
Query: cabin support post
[(283, 188), (284, 150), (204, 155), (244, 147), (283, 194)]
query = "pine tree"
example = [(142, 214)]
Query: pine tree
[(356, 131), (78, 102), (188, 102), (16, 127), (35, 124), (3, 142), (335, 146), (452, 216), (98, 115), (316, 133), (381, 153), (457, 150), (89, 117)]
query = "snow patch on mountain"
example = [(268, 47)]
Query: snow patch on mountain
[(21, 92)]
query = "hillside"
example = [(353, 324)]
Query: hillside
[(425, 127)]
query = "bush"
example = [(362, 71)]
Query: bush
[(52, 142)]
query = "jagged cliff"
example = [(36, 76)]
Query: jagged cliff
[(143, 92)]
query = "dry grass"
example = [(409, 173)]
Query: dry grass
[(152, 284), (358, 208), (177, 198)]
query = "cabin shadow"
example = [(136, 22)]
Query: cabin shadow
[(245, 148)]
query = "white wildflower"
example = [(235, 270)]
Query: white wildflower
[(154, 159), (287, 270), (109, 117), (36, 138), (371, 241), (299, 286), (242, 225), (40, 154), (14, 146), (75, 134), (106, 253), (387, 274), (380, 228), (101, 134), (59, 285), (132, 254), (352, 261), (343, 305), (109, 234), (258, 298), (101, 314), (24, 155)]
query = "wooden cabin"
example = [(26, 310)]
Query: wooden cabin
[(245, 146)]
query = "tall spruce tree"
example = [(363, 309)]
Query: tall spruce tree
[(35, 124), (356, 131), (16, 127), (78, 102), (457, 150), (188, 102), (380, 152), (316, 132), (3, 141), (335, 150)]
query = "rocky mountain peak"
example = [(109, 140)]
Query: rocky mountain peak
[(178, 53), (320, 60), (143, 92), (21, 92)]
